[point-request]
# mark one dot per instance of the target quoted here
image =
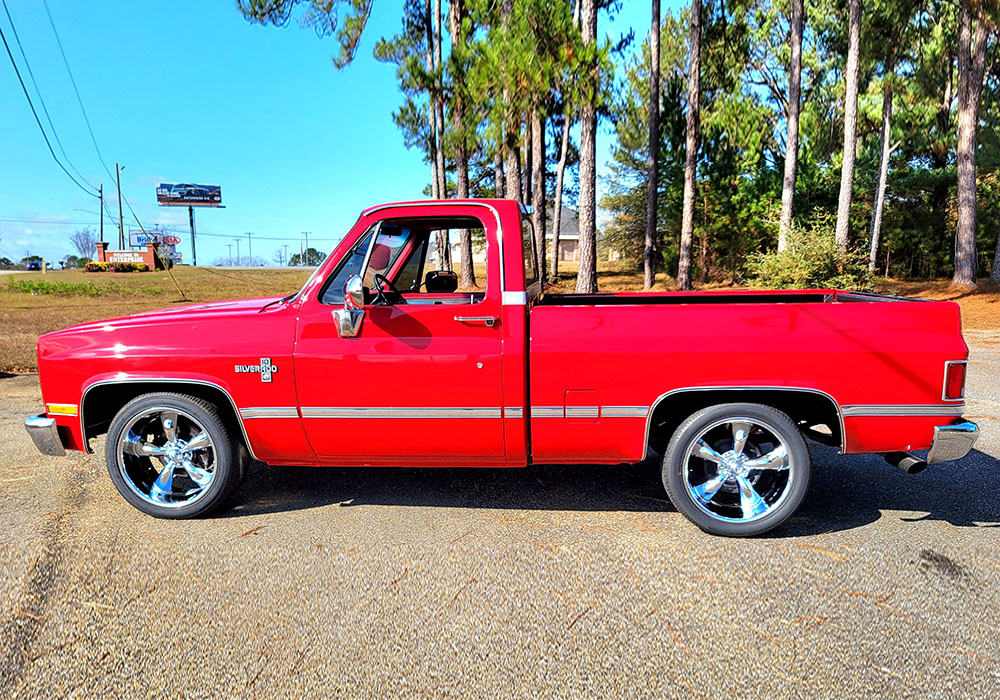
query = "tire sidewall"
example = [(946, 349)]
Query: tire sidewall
[(226, 461), (675, 458)]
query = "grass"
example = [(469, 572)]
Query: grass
[(33, 304)]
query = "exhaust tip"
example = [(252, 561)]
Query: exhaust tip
[(905, 462)]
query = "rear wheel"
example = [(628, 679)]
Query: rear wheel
[(171, 456), (736, 469)]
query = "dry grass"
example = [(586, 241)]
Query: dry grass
[(23, 317)]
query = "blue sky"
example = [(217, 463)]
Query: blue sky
[(191, 92)]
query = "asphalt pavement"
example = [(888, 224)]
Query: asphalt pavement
[(542, 582)]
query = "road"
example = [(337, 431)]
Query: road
[(485, 583)]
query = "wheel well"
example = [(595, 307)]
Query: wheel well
[(805, 407), (102, 403)]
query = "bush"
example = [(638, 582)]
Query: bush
[(96, 267), (810, 260), (129, 267), (60, 288)]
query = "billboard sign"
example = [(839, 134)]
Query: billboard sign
[(188, 195), (165, 243)]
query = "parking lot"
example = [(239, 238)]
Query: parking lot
[(548, 581)]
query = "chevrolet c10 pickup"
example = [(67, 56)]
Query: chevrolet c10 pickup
[(381, 360)]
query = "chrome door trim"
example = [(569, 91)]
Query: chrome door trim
[(460, 203), (160, 380), (513, 412), (661, 397)]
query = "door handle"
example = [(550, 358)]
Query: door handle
[(488, 321)]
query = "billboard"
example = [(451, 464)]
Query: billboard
[(187, 195)]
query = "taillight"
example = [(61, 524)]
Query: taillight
[(954, 380)]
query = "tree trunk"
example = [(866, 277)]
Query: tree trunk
[(995, 274), (429, 64), (850, 125), (557, 204), (971, 64), (883, 167), (468, 279), (529, 154), (586, 279), (511, 127), (444, 245), (653, 151), (792, 135), (561, 169), (538, 187), (498, 176), (691, 149)]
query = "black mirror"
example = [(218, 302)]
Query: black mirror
[(441, 281)]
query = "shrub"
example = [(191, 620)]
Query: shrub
[(810, 260), (60, 288), (96, 267), (129, 267)]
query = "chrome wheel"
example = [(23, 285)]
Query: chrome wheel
[(166, 458), (738, 469)]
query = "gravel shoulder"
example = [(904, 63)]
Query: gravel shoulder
[(546, 581)]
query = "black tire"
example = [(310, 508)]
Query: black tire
[(132, 473), (784, 479)]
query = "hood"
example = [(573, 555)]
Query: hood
[(182, 313)]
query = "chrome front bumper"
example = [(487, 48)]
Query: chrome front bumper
[(45, 434), (952, 442)]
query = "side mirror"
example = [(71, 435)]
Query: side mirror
[(354, 293), (349, 318)]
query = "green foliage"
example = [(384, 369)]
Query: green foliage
[(811, 260), (311, 258), (58, 288)]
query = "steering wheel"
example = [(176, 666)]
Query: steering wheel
[(380, 295)]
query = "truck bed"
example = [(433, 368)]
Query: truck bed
[(795, 296)]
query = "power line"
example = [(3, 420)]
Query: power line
[(35, 114), (72, 80), (41, 98)]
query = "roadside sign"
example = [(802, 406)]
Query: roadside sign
[(171, 240), (188, 195)]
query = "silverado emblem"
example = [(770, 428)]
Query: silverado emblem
[(265, 369)]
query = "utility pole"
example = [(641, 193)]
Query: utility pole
[(250, 249), (286, 254), (194, 253), (121, 231), (301, 252), (230, 254), (100, 192), (237, 251)]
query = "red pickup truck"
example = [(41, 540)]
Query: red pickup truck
[(381, 360)]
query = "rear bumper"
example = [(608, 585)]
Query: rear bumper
[(952, 442), (45, 434)]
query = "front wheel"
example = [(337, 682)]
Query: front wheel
[(736, 469), (171, 456)]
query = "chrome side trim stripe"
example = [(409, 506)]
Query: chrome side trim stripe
[(513, 412), (589, 411), (394, 412), (624, 411), (903, 410), (270, 412)]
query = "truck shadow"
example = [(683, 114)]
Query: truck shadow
[(844, 492)]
